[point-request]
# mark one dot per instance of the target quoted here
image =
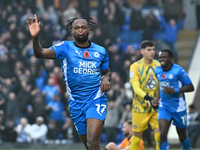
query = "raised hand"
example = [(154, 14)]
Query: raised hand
[(34, 26)]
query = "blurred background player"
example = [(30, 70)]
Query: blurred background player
[(86, 73), (173, 82), (145, 86), (125, 144)]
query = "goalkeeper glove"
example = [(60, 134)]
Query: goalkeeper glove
[(150, 99)]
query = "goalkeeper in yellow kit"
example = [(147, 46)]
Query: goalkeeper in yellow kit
[(145, 87)]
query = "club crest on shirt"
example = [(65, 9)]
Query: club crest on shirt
[(170, 76), (134, 126), (151, 83), (96, 54)]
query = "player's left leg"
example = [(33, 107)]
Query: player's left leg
[(154, 125), (185, 141), (95, 116), (94, 129), (180, 121)]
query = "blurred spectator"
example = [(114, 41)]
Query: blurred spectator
[(151, 25), (12, 108), (173, 9), (109, 28), (26, 16), (23, 99), (124, 145), (23, 131), (197, 11), (84, 8), (37, 108), (136, 19), (41, 78), (124, 72), (68, 130), (6, 67), (159, 45), (2, 122), (2, 102), (58, 79), (49, 90), (53, 133), (38, 131), (99, 37), (9, 131), (126, 114), (56, 109), (112, 121), (171, 31), (193, 127)]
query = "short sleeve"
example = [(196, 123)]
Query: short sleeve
[(183, 77), (105, 62), (59, 50), (134, 76)]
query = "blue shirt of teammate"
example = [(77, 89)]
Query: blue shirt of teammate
[(81, 69), (176, 77)]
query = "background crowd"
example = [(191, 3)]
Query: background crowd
[(33, 102)]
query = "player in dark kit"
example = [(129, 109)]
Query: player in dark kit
[(86, 72)]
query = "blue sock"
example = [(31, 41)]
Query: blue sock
[(164, 146), (186, 144)]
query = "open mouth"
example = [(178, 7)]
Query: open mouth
[(162, 62)]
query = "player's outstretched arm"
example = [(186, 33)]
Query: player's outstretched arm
[(39, 52)]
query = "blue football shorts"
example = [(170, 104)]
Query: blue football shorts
[(179, 118), (94, 109)]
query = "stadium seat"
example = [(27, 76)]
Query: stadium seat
[(130, 37), (159, 35)]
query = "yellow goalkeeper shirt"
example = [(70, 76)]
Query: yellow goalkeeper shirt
[(143, 81)]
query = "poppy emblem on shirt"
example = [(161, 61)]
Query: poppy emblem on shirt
[(86, 54), (163, 76)]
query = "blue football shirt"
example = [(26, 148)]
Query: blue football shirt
[(81, 69), (176, 77)]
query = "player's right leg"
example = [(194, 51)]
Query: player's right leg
[(164, 119)]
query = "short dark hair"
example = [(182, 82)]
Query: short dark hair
[(169, 52), (71, 21), (129, 122), (146, 43)]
